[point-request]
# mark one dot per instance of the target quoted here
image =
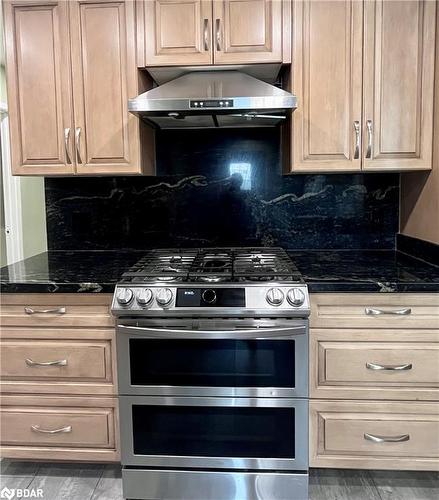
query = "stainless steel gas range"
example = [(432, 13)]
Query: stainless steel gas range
[(212, 348)]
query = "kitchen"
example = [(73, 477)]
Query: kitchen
[(220, 252)]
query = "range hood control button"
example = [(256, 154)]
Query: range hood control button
[(144, 297), (275, 296), (124, 296), (164, 297), (295, 297)]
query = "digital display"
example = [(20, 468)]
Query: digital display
[(211, 103), (210, 297)]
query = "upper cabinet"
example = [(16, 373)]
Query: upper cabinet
[(205, 32), (177, 32), (327, 80), (247, 31), (363, 73), (70, 71), (39, 87), (398, 86)]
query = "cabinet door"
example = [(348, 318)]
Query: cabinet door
[(104, 78), (178, 32), (39, 87), (327, 79), (398, 84), (247, 31)]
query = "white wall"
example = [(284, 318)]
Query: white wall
[(25, 203)]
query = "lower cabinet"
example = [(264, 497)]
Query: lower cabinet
[(374, 435), (374, 381), (59, 428), (58, 378)]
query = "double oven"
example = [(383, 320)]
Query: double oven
[(214, 408)]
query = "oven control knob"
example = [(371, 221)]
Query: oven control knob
[(164, 297), (295, 297), (124, 296), (275, 296), (144, 297), (209, 296)]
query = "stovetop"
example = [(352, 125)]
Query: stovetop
[(220, 282), (214, 265)]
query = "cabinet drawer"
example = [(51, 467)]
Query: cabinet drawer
[(59, 428), (42, 359), (376, 364), (378, 435), (374, 310), (66, 310)]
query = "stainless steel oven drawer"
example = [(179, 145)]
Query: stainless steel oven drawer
[(214, 433), (215, 485), (219, 358)]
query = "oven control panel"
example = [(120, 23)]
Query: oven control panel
[(143, 300), (210, 297)]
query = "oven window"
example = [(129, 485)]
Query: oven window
[(246, 432), (212, 363)]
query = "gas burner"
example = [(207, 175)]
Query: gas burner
[(212, 279), (175, 258), (215, 264), (167, 279), (259, 279), (169, 269)]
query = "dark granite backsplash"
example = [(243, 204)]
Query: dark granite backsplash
[(218, 188)]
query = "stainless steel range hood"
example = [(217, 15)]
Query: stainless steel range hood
[(208, 99)]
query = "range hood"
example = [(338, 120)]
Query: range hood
[(209, 99)]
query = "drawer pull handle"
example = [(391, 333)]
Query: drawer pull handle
[(374, 366), (37, 428), (59, 362), (58, 310), (399, 312), (387, 439)]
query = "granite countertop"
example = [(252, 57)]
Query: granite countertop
[(323, 271), (365, 271), (68, 271)]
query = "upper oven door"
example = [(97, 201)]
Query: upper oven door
[(225, 358)]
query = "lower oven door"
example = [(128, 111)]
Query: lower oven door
[(214, 433), (213, 357)]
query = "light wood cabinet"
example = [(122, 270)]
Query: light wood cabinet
[(205, 32), (327, 79), (39, 87), (387, 364), (87, 428), (247, 31), (176, 32), (375, 310), (342, 432), (70, 71), (52, 310), (399, 54), (374, 371), (58, 373), (363, 73)]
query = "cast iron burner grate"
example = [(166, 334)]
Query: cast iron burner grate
[(214, 265)]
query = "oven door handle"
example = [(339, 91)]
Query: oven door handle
[(251, 333)]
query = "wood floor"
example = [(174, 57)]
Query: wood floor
[(103, 482)]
